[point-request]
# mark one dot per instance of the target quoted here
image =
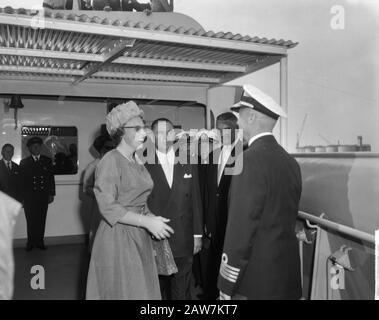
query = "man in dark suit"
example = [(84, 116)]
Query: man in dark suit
[(38, 191), (218, 177), (176, 196), (261, 254), (9, 173)]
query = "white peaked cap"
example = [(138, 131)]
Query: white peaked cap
[(256, 99)]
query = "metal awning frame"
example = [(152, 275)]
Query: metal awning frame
[(267, 54), (122, 37)]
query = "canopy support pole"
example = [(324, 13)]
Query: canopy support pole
[(284, 101)]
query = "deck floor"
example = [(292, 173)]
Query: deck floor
[(65, 268), (65, 272)]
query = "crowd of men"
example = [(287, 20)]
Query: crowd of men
[(235, 212)]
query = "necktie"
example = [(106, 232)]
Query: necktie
[(9, 166)]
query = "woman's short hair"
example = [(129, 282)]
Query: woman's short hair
[(117, 136), (100, 142)]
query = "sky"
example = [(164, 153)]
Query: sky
[(333, 73)]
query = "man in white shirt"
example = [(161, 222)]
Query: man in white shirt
[(176, 196)]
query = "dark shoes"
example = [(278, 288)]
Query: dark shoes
[(29, 247), (42, 247)]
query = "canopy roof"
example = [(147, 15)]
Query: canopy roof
[(83, 46)]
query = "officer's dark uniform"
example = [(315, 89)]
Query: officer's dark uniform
[(38, 185), (261, 259), (261, 253)]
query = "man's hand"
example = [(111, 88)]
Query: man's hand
[(224, 296), (198, 243), (51, 199)]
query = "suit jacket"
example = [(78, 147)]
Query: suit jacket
[(37, 178), (181, 204), (261, 252), (216, 212), (10, 181)]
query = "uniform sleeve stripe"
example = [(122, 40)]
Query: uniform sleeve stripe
[(227, 277), (226, 270), (230, 268)]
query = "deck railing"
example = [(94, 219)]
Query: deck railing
[(340, 228)]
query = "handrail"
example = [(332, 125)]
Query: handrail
[(360, 235)]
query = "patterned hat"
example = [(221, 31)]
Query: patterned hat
[(121, 114)]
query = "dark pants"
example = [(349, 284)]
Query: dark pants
[(212, 260), (178, 286), (35, 213)]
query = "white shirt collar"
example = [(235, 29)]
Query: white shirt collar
[(170, 153), (230, 146), (225, 153), (259, 136), (167, 161)]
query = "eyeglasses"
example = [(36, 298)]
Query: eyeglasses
[(137, 128)]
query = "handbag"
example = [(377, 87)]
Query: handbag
[(164, 258)]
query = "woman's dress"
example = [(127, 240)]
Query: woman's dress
[(122, 263)]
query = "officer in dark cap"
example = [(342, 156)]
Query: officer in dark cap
[(38, 190), (260, 258)]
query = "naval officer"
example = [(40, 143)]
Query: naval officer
[(38, 192), (260, 258)]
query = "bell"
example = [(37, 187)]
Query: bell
[(16, 102)]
